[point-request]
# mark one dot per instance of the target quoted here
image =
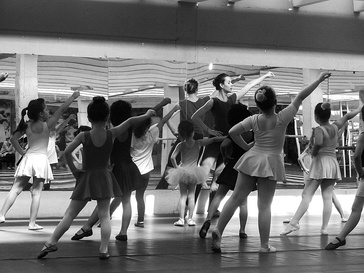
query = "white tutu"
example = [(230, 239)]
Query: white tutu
[(35, 165), (187, 175)]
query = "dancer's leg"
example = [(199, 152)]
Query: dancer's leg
[(182, 200), (16, 189), (338, 206), (71, 213), (354, 218), (327, 187), (307, 194), (191, 199), (244, 184), (36, 192), (266, 189), (125, 221), (104, 216), (139, 195), (216, 201), (243, 217)]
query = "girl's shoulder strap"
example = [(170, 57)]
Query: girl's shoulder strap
[(326, 134)]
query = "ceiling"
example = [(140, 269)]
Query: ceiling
[(147, 45)]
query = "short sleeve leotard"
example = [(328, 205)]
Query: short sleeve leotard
[(324, 165), (265, 158), (97, 182), (35, 162), (126, 172)]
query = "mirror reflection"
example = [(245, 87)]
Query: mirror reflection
[(143, 83)]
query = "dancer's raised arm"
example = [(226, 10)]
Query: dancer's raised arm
[(251, 84), (309, 89)]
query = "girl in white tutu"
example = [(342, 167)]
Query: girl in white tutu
[(187, 175), (35, 161)]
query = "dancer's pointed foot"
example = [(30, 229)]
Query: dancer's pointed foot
[(290, 228), (204, 229), (332, 246), (216, 241), (47, 249), (2, 219), (81, 234), (344, 220)]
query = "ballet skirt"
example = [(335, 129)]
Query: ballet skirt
[(265, 158), (125, 170), (97, 181), (325, 165), (188, 172), (35, 162)]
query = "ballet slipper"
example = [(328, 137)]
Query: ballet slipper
[(267, 250), (290, 228)]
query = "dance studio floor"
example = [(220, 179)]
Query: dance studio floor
[(161, 247)]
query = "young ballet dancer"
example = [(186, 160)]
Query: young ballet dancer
[(219, 106), (305, 164), (142, 143), (358, 203), (262, 165), (95, 181), (187, 108), (324, 168), (34, 163), (124, 169), (188, 174), (231, 153)]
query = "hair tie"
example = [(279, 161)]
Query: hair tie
[(260, 95), (325, 106)]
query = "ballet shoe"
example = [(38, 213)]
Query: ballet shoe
[(47, 249), (3, 76), (344, 220), (243, 235), (120, 237), (324, 232), (139, 224), (104, 256), (216, 241), (290, 228), (2, 220), (84, 233), (332, 246), (35, 227), (267, 250), (204, 229)]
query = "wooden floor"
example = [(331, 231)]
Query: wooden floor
[(162, 247)]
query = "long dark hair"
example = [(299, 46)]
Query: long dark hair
[(34, 109)]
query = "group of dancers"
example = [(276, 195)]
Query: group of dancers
[(246, 151)]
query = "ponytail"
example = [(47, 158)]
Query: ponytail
[(22, 126)]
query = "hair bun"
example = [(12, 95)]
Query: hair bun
[(98, 99), (260, 95), (325, 105)]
